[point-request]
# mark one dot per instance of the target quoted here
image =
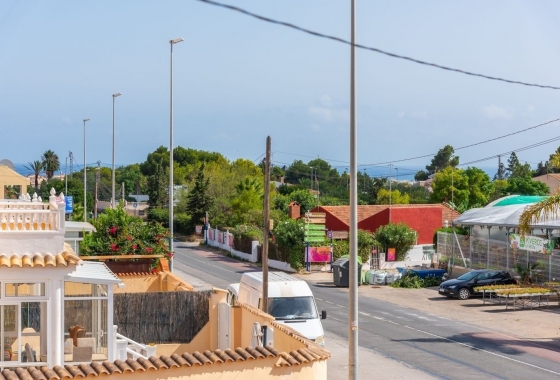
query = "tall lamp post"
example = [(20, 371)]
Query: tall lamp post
[(85, 167), (113, 162), (171, 43)]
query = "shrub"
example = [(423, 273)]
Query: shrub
[(117, 233), (365, 244), (398, 236)]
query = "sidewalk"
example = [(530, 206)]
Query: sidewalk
[(541, 324)]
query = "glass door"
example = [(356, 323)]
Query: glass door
[(9, 333)]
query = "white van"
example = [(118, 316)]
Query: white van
[(290, 301)]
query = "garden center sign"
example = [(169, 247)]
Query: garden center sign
[(530, 243)]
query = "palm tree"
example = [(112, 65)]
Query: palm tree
[(50, 163), (541, 211), (36, 167)]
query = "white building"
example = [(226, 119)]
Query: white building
[(54, 308)]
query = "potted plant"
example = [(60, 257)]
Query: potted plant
[(119, 234)]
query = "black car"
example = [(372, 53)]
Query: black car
[(463, 287)]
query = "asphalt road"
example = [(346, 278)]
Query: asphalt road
[(439, 347)]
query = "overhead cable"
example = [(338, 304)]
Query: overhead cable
[(466, 146), (376, 50)]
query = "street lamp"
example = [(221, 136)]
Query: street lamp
[(85, 166), (113, 165), (171, 43)]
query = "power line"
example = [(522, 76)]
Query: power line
[(515, 150), (466, 146), (376, 50)]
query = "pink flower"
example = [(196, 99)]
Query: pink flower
[(134, 246), (114, 247), (149, 250)]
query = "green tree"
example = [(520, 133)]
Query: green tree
[(451, 185), (132, 178), (443, 159), (480, 187), (158, 158), (158, 188), (513, 163), (36, 167), (500, 186), (395, 197), (526, 186), (249, 197), (199, 200), (501, 173), (421, 175), (51, 163), (398, 236)]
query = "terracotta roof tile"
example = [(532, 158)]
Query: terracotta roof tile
[(158, 363), (49, 373), (87, 370), (212, 357), (38, 260), (135, 365), (296, 357), (62, 373), (170, 363), (222, 355), (146, 364), (234, 355), (123, 366), (23, 374), (36, 374), (99, 368)]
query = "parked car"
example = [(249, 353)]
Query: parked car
[(463, 287)]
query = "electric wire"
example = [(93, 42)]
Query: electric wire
[(376, 50), (466, 146)]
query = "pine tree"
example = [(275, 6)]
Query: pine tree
[(158, 188), (501, 173), (513, 163), (199, 201)]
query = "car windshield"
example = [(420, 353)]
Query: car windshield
[(292, 308), (468, 276)]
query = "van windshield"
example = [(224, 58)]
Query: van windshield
[(292, 308)]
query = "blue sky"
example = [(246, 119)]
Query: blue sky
[(237, 79)]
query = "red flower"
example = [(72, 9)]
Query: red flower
[(128, 237), (134, 246), (154, 270), (114, 247), (149, 250), (113, 230)]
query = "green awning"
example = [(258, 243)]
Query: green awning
[(520, 200)]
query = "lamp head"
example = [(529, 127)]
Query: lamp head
[(117, 94), (176, 40), (86, 119)]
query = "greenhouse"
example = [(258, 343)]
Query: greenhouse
[(488, 238)]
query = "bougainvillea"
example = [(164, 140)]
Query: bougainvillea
[(117, 233)]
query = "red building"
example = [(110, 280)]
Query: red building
[(425, 219)]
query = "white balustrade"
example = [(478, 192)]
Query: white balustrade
[(31, 214)]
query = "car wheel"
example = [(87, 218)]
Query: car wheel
[(464, 294)]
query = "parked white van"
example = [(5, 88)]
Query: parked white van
[(290, 301)]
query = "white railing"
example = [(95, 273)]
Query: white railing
[(28, 214), (135, 349)]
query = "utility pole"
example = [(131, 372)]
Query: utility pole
[(122, 193), (266, 226), (353, 235), (390, 189), (97, 176), (66, 177)]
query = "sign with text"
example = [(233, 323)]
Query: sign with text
[(319, 254), (69, 204), (198, 230), (391, 254), (530, 243)]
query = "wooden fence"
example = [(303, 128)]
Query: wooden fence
[(161, 317)]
